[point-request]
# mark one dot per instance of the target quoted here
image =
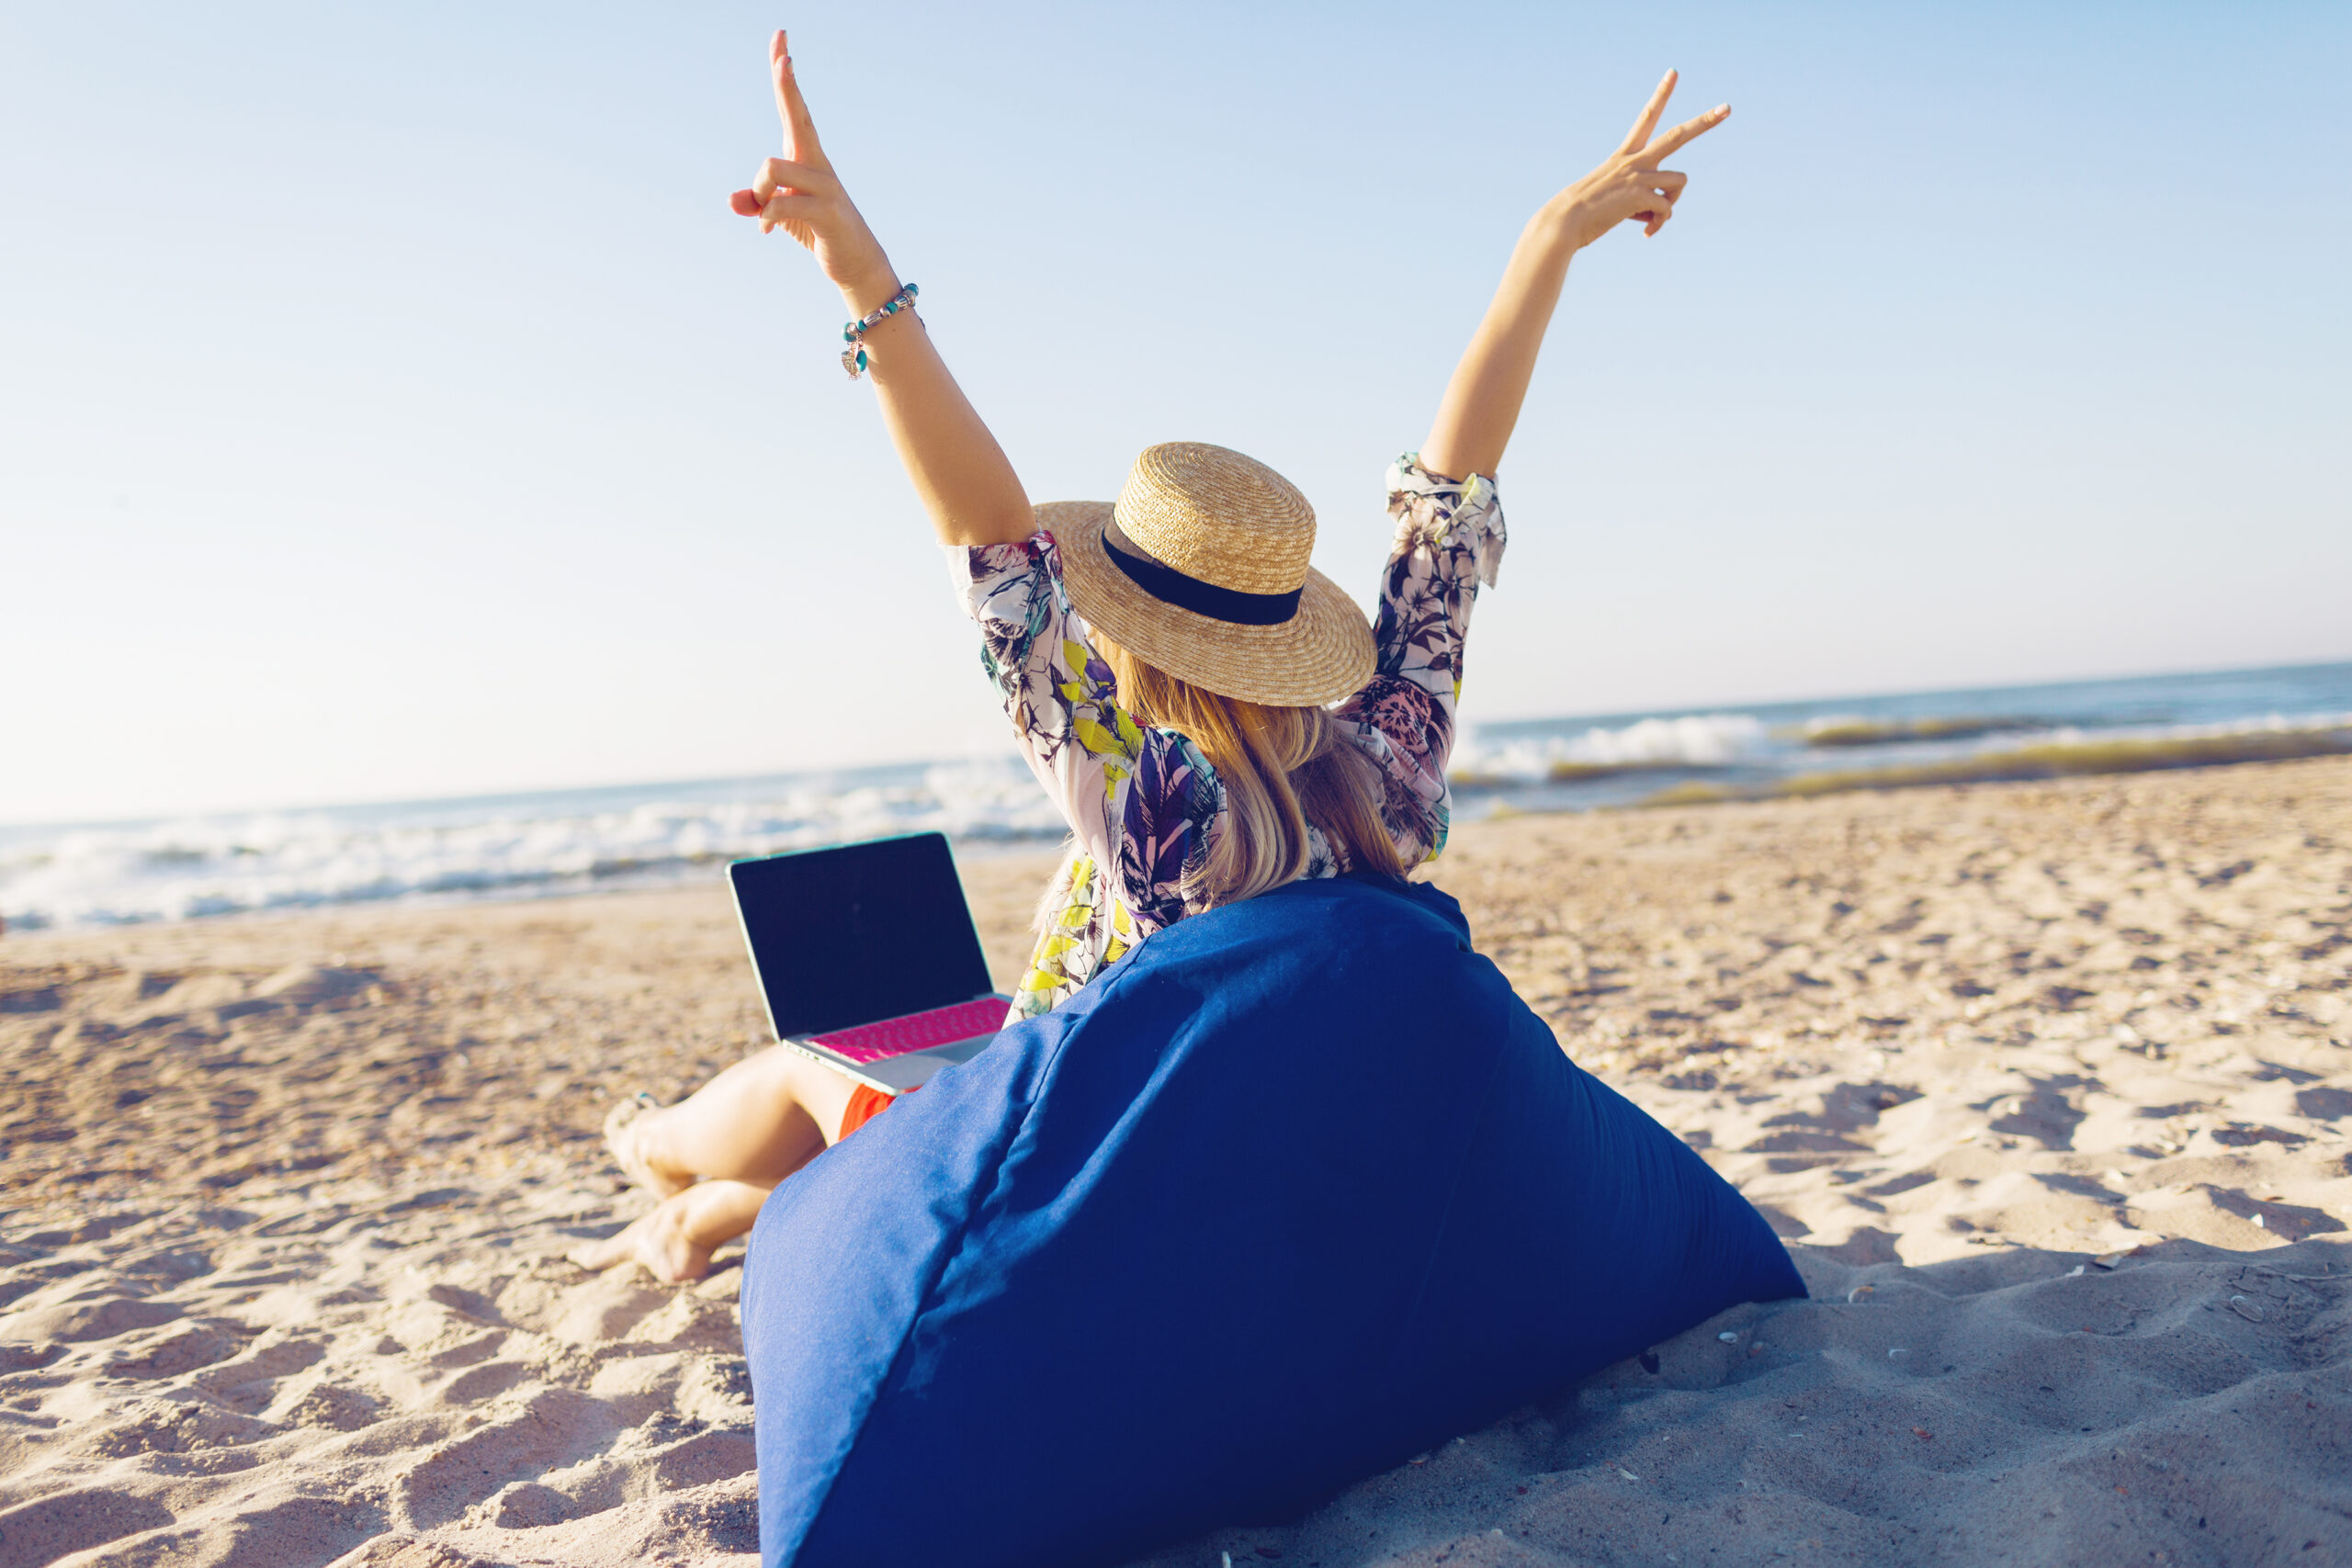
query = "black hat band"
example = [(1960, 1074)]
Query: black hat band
[(1168, 585)]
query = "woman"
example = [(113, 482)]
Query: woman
[(1167, 661)]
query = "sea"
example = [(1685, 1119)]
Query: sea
[(573, 841)]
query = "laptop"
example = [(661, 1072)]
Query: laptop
[(867, 958)]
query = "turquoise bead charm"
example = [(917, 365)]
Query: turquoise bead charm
[(853, 358)]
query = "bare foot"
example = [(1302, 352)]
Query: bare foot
[(659, 1240), (623, 1125)]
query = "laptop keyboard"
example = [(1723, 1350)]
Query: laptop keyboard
[(916, 1032)]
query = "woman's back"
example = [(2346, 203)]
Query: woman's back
[(1153, 810)]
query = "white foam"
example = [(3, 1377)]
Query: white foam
[(225, 865), (560, 843), (2268, 724), (1694, 740)]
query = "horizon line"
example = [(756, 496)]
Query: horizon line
[(488, 797)]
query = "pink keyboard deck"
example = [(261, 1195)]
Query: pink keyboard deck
[(916, 1032)]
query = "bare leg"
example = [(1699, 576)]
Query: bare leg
[(758, 1122), (675, 1240), (741, 1132)]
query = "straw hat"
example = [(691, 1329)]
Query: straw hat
[(1200, 569)]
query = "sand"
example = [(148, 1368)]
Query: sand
[(2046, 1085)]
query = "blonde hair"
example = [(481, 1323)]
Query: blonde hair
[(1283, 768)]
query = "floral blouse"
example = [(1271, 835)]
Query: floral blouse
[(1145, 806)]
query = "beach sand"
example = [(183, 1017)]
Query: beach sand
[(2046, 1085)]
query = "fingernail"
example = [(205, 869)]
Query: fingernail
[(1722, 109)]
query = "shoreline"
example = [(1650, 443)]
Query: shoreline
[(2037, 764), (559, 842)]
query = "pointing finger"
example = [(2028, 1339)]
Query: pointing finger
[(1688, 130), (1646, 121), (799, 130), (779, 58)]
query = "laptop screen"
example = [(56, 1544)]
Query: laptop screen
[(858, 932)]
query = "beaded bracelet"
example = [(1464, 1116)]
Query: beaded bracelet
[(854, 334)]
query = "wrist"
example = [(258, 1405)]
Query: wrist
[(868, 286), (1564, 223)]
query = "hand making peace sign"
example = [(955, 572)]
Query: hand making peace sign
[(1482, 403), (1629, 186)]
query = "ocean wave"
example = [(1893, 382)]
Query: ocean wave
[(217, 866), (1746, 745), (570, 841), (1695, 740), (2186, 747), (2265, 724), (1853, 729)]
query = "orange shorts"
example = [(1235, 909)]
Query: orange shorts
[(865, 1102)]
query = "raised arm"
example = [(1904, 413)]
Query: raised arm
[(1481, 405), (967, 485)]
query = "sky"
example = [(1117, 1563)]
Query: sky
[(391, 406)]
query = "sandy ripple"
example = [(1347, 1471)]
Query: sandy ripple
[(2071, 1017), (2048, 1086), (295, 1381)]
